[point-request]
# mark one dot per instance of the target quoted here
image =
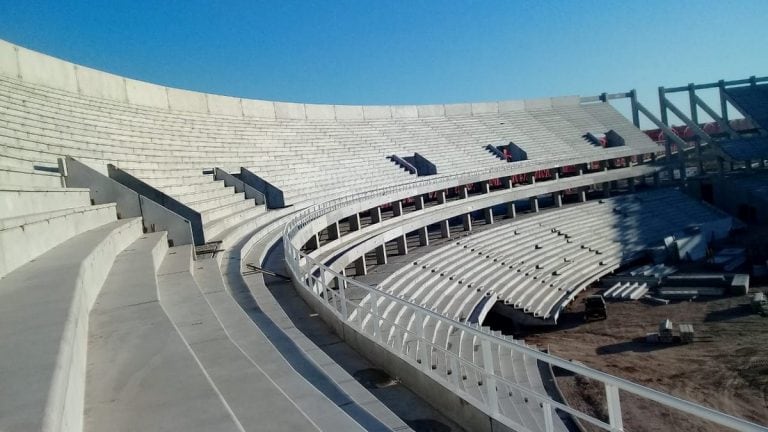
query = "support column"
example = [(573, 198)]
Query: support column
[(511, 211), (375, 215), (313, 242), (397, 208), (467, 221), (463, 192), (558, 198), (485, 187), (606, 189), (535, 204), (533, 178), (419, 202), (445, 229), (354, 222), (557, 173), (381, 254), (506, 182), (488, 213), (424, 236), (402, 245), (333, 231), (441, 197), (583, 194), (360, 267)]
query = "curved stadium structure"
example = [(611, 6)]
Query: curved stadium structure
[(139, 223)]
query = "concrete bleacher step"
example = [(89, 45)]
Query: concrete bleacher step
[(215, 227), (23, 238), (228, 209), (186, 190), (22, 200), (211, 201), (138, 363), (44, 309), (232, 371), (12, 175)]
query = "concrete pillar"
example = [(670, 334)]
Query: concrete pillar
[(488, 213), (606, 189), (532, 178), (467, 221), (535, 204), (445, 229), (381, 254), (313, 242), (354, 222), (558, 198), (423, 236), (557, 173), (485, 187), (506, 182), (511, 212), (463, 192), (360, 267), (419, 202), (402, 245), (375, 215), (441, 197), (397, 208), (583, 194), (333, 231)]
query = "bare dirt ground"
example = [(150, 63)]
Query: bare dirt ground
[(726, 368)]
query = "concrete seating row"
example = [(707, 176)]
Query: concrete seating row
[(303, 156), (535, 263)]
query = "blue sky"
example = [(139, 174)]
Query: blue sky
[(401, 52)]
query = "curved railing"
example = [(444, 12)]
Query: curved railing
[(315, 278)]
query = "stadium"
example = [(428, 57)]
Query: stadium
[(174, 260)]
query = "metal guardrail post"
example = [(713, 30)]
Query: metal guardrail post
[(614, 407), (489, 379)]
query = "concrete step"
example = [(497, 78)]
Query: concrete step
[(215, 227), (165, 182), (13, 175), (134, 353), (213, 199), (188, 190), (25, 237), (225, 209), (22, 200), (233, 373), (44, 308)]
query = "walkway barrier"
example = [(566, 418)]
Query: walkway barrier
[(333, 291)]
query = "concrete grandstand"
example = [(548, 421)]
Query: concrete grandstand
[(137, 221)]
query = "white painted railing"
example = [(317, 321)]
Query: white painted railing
[(420, 351)]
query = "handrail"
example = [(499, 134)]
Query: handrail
[(335, 300)]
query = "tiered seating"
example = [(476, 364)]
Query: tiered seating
[(540, 263), (307, 159)]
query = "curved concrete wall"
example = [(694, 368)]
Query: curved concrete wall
[(36, 68)]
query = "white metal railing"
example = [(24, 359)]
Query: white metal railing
[(413, 346)]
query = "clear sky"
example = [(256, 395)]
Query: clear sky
[(401, 52)]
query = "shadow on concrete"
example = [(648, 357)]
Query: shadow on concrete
[(427, 425)]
